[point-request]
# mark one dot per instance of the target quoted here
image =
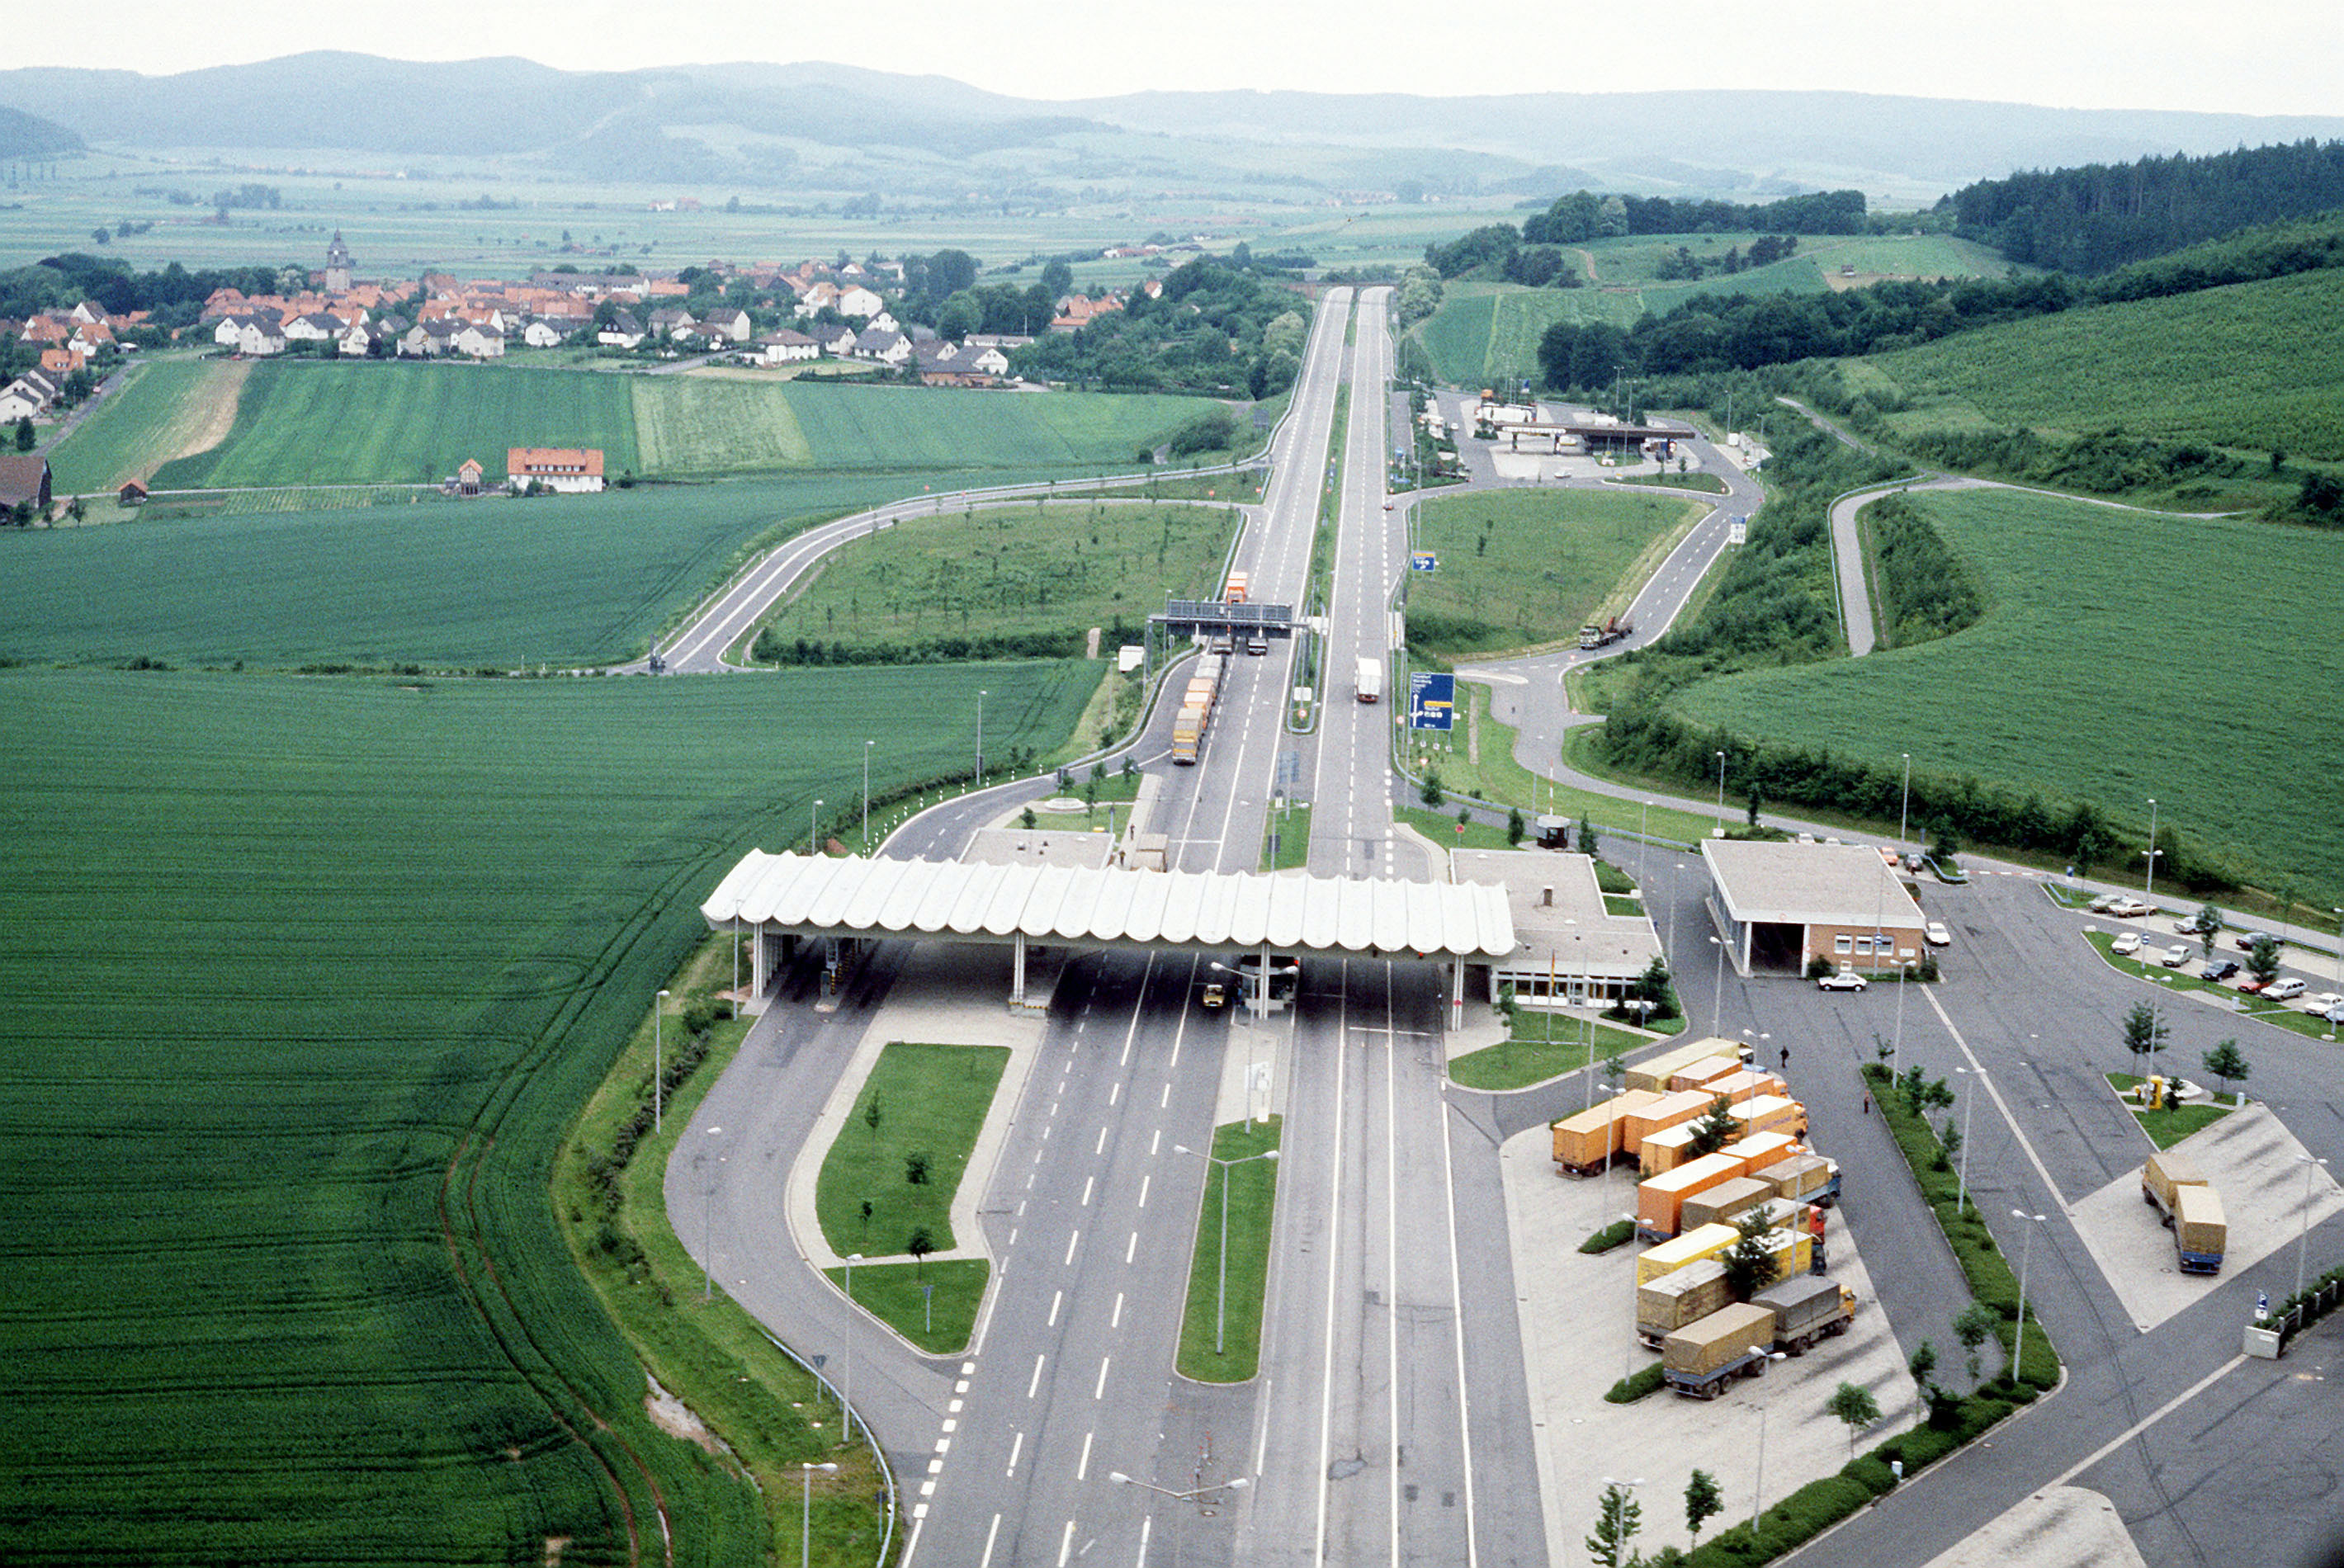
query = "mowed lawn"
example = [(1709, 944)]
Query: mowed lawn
[(562, 580), (305, 980), (2126, 655), (371, 422), (1526, 566)]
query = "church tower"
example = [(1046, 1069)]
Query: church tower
[(337, 265)]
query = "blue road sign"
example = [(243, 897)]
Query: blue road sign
[(1422, 561), (1431, 700)]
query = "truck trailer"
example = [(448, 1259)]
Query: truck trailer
[(1370, 681), (1196, 715), (1682, 1296), (2172, 1184), (1654, 1072), (1699, 1360), (1602, 634), (1585, 1143), (1806, 1308)]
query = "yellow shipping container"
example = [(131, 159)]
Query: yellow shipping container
[(1690, 1247), (1666, 1111), (1664, 1150), (1655, 1073), (1760, 1150)]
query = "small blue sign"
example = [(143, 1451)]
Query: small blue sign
[(1431, 700), (1423, 561)]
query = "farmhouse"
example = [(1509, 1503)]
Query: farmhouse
[(785, 347), (1779, 906), (23, 480), (571, 470)]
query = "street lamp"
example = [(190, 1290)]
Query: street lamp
[(659, 1076), (847, 1394), (1904, 804), (1717, 990), (1235, 1483), (805, 1516), (1721, 793), (1620, 1490), (1962, 1190), (2019, 1349), (1221, 1301), (2310, 1168), (866, 796), (980, 740), (813, 827), (2339, 959), (2152, 851)]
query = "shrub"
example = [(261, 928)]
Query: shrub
[(1630, 1388), (1615, 1234)]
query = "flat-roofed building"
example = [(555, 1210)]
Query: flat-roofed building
[(1570, 950), (1779, 906)]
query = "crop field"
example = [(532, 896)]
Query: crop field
[(704, 426), (563, 580), (372, 423), (1012, 572), (163, 408), (1527, 566), (1484, 332), (307, 979), (2051, 692), (933, 426), (2256, 366)]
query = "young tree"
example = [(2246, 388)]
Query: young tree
[(1431, 793), (1704, 1499), (1516, 827), (1587, 842), (1971, 1327), (2210, 925), (871, 1114), (866, 1218), (1622, 1519), (1750, 1264), (1853, 1405), (1615, 1072), (1924, 1362), (1715, 1130), (1757, 804), (2227, 1062), (1922, 1094), (919, 1244), (2144, 1036), (916, 1169), (2262, 959)]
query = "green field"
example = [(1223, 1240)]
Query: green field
[(563, 580), (685, 426), (127, 436), (928, 427), (1225, 1306), (2254, 366), (1485, 333), (1519, 567), (2079, 683), (306, 980), (1015, 571), (930, 1099)]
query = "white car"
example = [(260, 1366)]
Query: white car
[(2281, 990), (1938, 935), (2176, 956), (2128, 909), (2126, 941), (1844, 980), (2322, 1002)]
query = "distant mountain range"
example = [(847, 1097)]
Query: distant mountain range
[(30, 136), (750, 124)]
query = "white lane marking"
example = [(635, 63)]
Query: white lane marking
[(1929, 995), (1146, 1524), (1086, 1203), (1029, 1175), (1099, 1392), (2151, 1419), (1017, 1446), (1013, 1236), (1165, 1103), (1131, 1247), (1101, 1147), (1334, 1253), (1071, 1240), (1066, 1543), (1261, 1443), (1114, 1318), (954, 1408), (1114, 1092), (1035, 1381), (1392, 1247), (1021, 1209), (1144, 1180), (1056, 1298), (934, 1465), (1053, 1108), (986, 1560), (1154, 1140), (1083, 1465)]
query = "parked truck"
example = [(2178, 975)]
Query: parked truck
[(1196, 715), (1585, 1143), (1370, 682), (1724, 1203), (1654, 1072), (1699, 1360), (1682, 1296), (1660, 1201), (2172, 1184), (1592, 635), (1803, 1177), (1806, 1308)]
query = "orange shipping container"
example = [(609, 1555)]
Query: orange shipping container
[(1660, 1202), (1745, 1084), (1772, 1113), (1703, 1072), (1655, 1073), (1664, 1112), (1588, 1140), (1666, 1150), (1760, 1150)]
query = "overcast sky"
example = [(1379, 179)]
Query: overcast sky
[(2250, 57)]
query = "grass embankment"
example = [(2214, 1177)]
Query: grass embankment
[(1543, 1046), (702, 1347), (2145, 966), (1022, 578), (2170, 1125), (1528, 568), (1820, 1504), (931, 1102), (1252, 1198)]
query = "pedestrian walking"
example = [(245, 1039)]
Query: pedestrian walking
[(1867, 1102)]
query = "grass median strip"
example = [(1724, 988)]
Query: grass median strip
[(1530, 1056), (892, 1170), (1225, 1305)]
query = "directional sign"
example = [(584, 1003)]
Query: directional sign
[(1737, 531), (1422, 561), (1431, 700)]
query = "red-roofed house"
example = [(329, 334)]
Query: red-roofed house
[(567, 468)]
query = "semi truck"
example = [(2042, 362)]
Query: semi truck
[(1682, 1296), (1234, 591), (2172, 1184), (1196, 715), (1592, 635), (1699, 1360), (1806, 1309), (1371, 683)]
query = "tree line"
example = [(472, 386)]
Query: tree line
[(1217, 328)]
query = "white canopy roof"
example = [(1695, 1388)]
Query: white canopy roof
[(851, 896)]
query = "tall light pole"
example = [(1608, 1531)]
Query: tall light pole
[(1721, 793), (659, 1076), (847, 1394), (2152, 851), (2303, 1238), (805, 1517), (980, 740), (1620, 1490), (866, 796), (1717, 994), (813, 827), (1236, 1483), (2019, 1349), (1644, 831), (1221, 1303), (1904, 804), (2339, 959), (1969, 1097)]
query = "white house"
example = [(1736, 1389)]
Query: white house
[(314, 327), (477, 342), (19, 402), (624, 332), (990, 361), (856, 301), (726, 321), (785, 347), (259, 336), (887, 348), (571, 470), (840, 342), (541, 334)]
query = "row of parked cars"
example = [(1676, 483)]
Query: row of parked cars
[(2220, 969)]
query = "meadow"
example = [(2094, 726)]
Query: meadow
[(2056, 689), (561, 580), (2255, 365), (1519, 567), (1004, 573), (307, 979)]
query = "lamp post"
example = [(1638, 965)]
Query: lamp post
[(813, 827), (2303, 1238), (846, 1393), (2018, 1348), (708, 1232), (659, 1076), (1644, 832), (980, 740), (866, 796), (2151, 851), (1721, 793), (1962, 1189), (805, 1516), (2339, 959), (1904, 803), (1717, 991), (1221, 1301), (1619, 1490), (1235, 1483)]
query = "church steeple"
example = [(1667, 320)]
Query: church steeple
[(338, 265)]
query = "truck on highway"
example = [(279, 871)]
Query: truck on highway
[(1699, 1360), (1807, 1309), (2172, 1184), (1196, 715), (1592, 635), (1370, 685), (1234, 593)]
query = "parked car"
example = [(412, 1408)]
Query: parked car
[(2247, 939), (1844, 980), (2103, 902), (1938, 935), (2188, 925), (2282, 991), (2335, 1015), (1912, 861), (2126, 941), (2251, 985), (2176, 956), (2128, 909), (2219, 969), (2322, 1002)]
